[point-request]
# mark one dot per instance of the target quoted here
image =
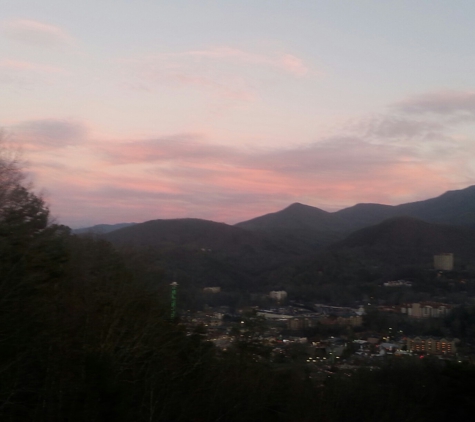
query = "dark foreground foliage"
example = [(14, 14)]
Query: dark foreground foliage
[(82, 340)]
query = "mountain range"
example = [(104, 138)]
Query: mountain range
[(408, 240), (250, 251), (453, 207)]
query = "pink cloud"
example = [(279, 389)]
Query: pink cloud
[(228, 73), (440, 103), (47, 134), (229, 194), (26, 74), (150, 73), (232, 88), (35, 32), (336, 172), (188, 147), (286, 62), (294, 65), (388, 159), (395, 127), (16, 65)]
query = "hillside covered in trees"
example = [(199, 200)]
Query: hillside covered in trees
[(83, 337), (82, 340)]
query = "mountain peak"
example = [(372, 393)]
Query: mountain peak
[(297, 205), (296, 216)]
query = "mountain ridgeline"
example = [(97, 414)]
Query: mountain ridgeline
[(250, 253), (453, 207), (102, 228), (407, 240)]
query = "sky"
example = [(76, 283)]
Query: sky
[(127, 111)]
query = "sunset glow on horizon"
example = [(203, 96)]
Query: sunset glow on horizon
[(132, 111)]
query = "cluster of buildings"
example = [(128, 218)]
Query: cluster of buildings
[(432, 345), (278, 295), (280, 334), (301, 323), (283, 318), (397, 283), (426, 309), (429, 345), (212, 290), (420, 309), (298, 318)]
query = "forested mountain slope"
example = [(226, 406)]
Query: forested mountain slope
[(101, 228), (453, 207), (206, 252), (407, 240)]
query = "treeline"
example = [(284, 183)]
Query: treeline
[(82, 338), (343, 277), (401, 390)]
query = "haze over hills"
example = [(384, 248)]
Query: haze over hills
[(102, 228), (277, 247), (213, 252), (453, 207)]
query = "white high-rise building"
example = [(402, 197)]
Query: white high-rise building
[(278, 295), (444, 261)]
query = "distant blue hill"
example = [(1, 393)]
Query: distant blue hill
[(102, 228)]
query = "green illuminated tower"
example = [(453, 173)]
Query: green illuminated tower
[(173, 301)]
